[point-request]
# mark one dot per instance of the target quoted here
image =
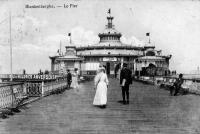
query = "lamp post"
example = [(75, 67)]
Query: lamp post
[(11, 74)]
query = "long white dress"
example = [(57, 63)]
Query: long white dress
[(101, 82), (74, 83)]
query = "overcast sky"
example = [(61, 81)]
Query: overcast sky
[(174, 26)]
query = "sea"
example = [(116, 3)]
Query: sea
[(191, 76)]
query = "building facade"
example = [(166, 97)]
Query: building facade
[(111, 53)]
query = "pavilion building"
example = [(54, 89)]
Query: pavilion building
[(110, 52)]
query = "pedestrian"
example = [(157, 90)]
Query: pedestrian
[(75, 79), (101, 86), (69, 79), (125, 81), (177, 85)]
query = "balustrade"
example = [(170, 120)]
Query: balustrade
[(29, 76), (34, 89), (192, 85), (10, 95), (51, 87)]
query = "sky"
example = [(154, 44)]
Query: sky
[(38, 32)]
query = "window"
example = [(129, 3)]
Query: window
[(69, 64), (150, 53), (70, 51)]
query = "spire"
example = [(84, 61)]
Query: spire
[(110, 34), (110, 18)]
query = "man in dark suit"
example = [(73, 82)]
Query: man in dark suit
[(69, 79), (125, 81)]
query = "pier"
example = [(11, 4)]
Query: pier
[(151, 110)]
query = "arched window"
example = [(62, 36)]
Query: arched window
[(150, 53)]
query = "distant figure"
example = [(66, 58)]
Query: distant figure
[(117, 68), (105, 68), (69, 79), (75, 78), (101, 86), (177, 85), (125, 81)]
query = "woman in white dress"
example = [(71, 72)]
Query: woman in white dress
[(101, 86), (75, 79)]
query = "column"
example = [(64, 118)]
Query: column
[(52, 64)]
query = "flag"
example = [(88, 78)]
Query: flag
[(147, 34), (69, 34), (109, 11)]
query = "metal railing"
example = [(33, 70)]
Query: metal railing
[(53, 87), (10, 94), (190, 84), (33, 89), (29, 76)]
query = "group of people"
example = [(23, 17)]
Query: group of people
[(72, 79), (101, 85)]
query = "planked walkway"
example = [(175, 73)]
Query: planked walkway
[(151, 111)]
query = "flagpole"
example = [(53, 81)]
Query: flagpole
[(60, 48), (11, 77), (148, 34), (70, 40), (149, 39)]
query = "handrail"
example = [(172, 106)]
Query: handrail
[(11, 84), (192, 79), (192, 85), (30, 76), (13, 94)]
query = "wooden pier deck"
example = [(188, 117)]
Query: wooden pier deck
[(151, 111)]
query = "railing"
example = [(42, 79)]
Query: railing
[(29, 76), (190, 84), (53, 87), (13, 94), (44, 88), (33, 89), (10, 94)]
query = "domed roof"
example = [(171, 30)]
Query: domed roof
[(110, 44), (110, 36)]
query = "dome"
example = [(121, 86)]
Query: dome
[(110, 34), (110, 44)]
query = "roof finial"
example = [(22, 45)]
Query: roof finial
[(109, 18)]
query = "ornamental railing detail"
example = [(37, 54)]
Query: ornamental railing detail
[(11, 94), (53, 87), (34, 89)]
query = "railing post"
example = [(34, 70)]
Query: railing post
[(12, 96), (24, 88), (42, 88)]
